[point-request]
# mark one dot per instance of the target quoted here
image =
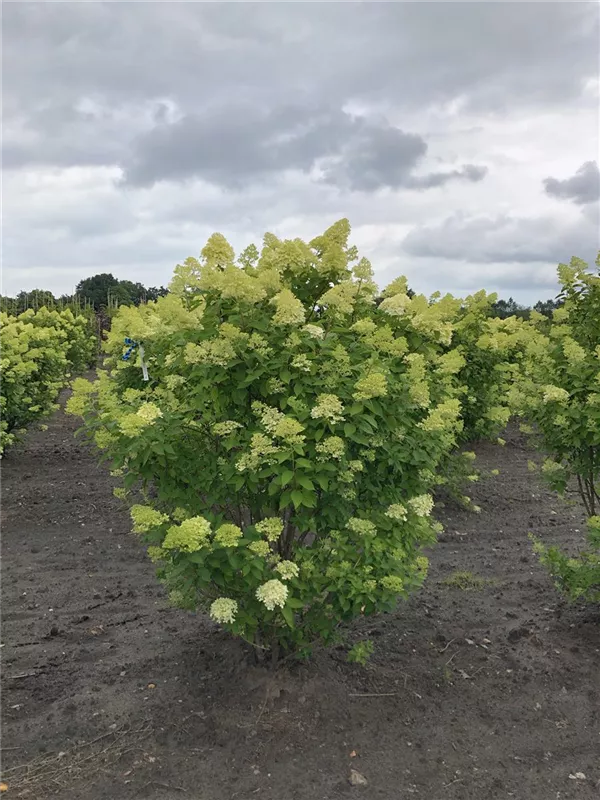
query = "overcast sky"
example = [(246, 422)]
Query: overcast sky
[(460, 139)]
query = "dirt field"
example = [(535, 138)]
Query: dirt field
[(108, 693)]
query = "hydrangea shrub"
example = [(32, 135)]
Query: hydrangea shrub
[(39, 350), (290, 434), (558, 390), (492, 349)]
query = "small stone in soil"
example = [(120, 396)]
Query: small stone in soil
[(357, 779)]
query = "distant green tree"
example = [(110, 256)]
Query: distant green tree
[(135, 292), (154, 292), (546, 307), (36, 298), (96, 289), (509, 308)]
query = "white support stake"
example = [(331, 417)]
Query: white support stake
[(143, 363)]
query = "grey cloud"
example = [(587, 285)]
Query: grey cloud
[(234, 144), (326, 55), (239, 144), (399, 51), (583, 187), (470, 172), (376, 157), (505, 239)]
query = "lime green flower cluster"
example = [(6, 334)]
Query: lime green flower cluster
[(289, 309), (442, 417), (215, 352), (270, 527), (331, 447), (156, 554), (555, 394), (228, 535), (341, 299), (258, 344), (392, 583), (550, 467), (574, 353), (364, 327), (260, 548), (132, 425), (372, 385), (287, 570), (279, 425), (190, 536), (145, 518), (416, 376), (362, 527)]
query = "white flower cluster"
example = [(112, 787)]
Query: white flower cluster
[(396, 511), (287, 570), (396, 305), (422, 505), (328, 406), (314, 330), (223, 610), (273, 593)]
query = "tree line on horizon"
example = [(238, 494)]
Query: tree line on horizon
[(105, 291), (97, 292)]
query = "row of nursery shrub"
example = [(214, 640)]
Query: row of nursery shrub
[(287, 424), (39, 352), (557, 393)]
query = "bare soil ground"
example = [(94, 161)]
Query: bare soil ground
[(109, 693)]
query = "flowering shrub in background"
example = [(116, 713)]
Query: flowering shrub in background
[(558, 390), (492, 349), (290, 434), (485, 354), (39, 350)]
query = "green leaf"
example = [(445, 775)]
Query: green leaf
[(288, 616), (305, 482), (285, 500), (286, 476), (349, 429), (297, 498), (322, 481), (309, 499)]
